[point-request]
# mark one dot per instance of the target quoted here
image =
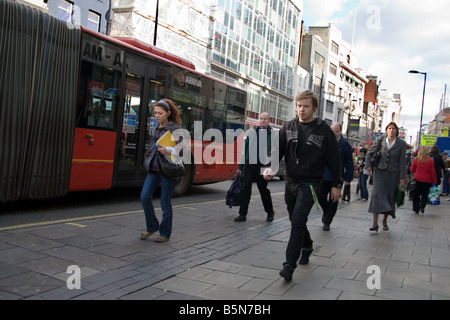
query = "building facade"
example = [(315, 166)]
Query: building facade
[(371, 108), (333, 65), (439, 123), (92, 14), (252, 44), (390, 108)]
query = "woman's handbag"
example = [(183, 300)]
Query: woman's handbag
[(147, 162), (412, 185), (168, 168), (376, 157)]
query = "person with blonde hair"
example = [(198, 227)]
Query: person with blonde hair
[(425, 175), (308, 145)]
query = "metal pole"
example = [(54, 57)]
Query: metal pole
[(156, 22), (423, 100), (445, 96)]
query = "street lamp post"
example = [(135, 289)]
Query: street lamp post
[(423, 100), (156, 22)]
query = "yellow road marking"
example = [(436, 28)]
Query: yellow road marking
[(76, 224), (107, 215)]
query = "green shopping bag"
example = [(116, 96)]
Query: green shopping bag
[(433, 196), (400, 199)]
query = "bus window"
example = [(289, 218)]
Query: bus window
[(235, 109), (191, 108), (157, 85), (190, 114), (215, 114), (98, 100), (130, 128)]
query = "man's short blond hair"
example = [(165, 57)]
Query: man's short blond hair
[(306, 95)]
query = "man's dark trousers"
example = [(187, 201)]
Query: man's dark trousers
[(299, 201), (252, 173)]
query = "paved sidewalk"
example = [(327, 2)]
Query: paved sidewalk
[(211, 257)]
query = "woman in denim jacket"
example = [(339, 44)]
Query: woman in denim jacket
[(168, 117)]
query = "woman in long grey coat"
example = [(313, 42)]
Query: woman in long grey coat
[(387, 175)]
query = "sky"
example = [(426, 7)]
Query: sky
[(392, 37)]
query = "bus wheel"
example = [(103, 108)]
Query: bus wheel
[(185, 182)]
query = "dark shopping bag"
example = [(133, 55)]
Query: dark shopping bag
[(412, 185), (234, 193), (400, 199)]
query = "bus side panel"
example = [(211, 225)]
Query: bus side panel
[(205, 173), (220, 154), (93, 160)]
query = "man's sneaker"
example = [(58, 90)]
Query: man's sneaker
[(305, 253), (287, 272), (270, 216), (240, 218), (326, 227)]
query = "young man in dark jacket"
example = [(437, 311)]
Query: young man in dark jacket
[(308, 145)]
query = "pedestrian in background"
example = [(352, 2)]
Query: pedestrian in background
[(168, 117), (329, 207), (425, 174), (408, 176), (252, 171), (445, 183), (363, 174), (387, 175), (308, 145), (438, 163)]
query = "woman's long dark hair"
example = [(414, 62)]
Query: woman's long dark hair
[(174, 111)]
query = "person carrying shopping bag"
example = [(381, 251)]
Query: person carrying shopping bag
[(425, 174), (167, 115)]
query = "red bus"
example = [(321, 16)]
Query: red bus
[(76, 108)]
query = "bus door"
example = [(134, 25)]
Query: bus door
[(97, 116), (130, 142)]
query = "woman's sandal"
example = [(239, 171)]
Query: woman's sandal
[(145, 235), (161, 239)]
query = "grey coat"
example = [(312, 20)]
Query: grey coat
[(393, 160), (387, 175)]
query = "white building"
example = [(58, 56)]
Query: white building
[(342, 81), (391, 107)]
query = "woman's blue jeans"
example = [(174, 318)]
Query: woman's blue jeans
[(364, 192), (445, 188), (152, 181)]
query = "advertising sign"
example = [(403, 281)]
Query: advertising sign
[(428, 140)]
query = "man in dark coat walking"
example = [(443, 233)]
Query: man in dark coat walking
[(347, 167), (256, 147)]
